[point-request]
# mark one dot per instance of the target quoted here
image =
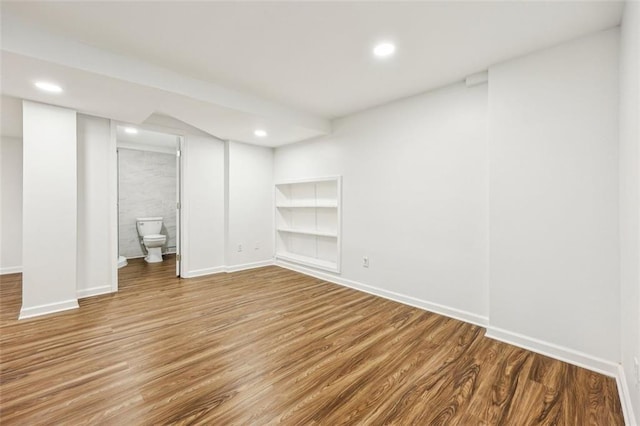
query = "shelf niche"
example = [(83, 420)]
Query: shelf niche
[(307, 222)]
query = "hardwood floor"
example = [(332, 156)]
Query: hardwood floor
[(270, 346)]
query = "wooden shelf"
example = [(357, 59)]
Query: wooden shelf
[(307, 222)]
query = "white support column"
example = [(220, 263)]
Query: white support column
[(49, 209)]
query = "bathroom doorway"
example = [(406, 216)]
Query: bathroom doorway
[(148, 199)]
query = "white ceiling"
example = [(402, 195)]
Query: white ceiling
[(314, 57)]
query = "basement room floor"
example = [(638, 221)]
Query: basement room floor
[(271, 346)]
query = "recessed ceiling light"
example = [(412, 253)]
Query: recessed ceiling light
[(383, 50), (48, 87), (260, 133), (131, 130)]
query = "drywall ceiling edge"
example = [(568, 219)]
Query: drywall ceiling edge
[(22, 38)]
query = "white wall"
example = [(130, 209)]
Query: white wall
[(414, 197), (250, 205), (554, 196), (94, 261), (630, 197), (10, 205), (203, 205), (146, 187), (49, 209)]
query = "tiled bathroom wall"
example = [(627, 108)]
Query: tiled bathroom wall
[(146, 187)]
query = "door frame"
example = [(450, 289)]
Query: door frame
[(113, 179), (179, 198)]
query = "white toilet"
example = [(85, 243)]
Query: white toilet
[(149, 230)]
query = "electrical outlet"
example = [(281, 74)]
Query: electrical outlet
[(365, 262), (257, 247), (239, 248)]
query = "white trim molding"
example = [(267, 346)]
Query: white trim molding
[(203, 272), (608, 368), (112, 160), (227, 269), (11, 270), (581, 359), (94, 291), (396, 297), (625, 398), (245, 266), (36, 311)]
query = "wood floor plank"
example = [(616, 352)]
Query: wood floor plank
[(270, 346)]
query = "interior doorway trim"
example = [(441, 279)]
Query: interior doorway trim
[(113, 203), (113, 188)]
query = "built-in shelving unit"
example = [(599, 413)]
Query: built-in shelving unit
[(307, 222)]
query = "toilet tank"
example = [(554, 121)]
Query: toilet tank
[(148, 225)]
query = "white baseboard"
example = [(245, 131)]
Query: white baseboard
[(245, 266), (202, 272), (93, 291), (36, 311), (11, 270), (625, 398), (581, 359), (396, 297), (571, 356), (227, 269)]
